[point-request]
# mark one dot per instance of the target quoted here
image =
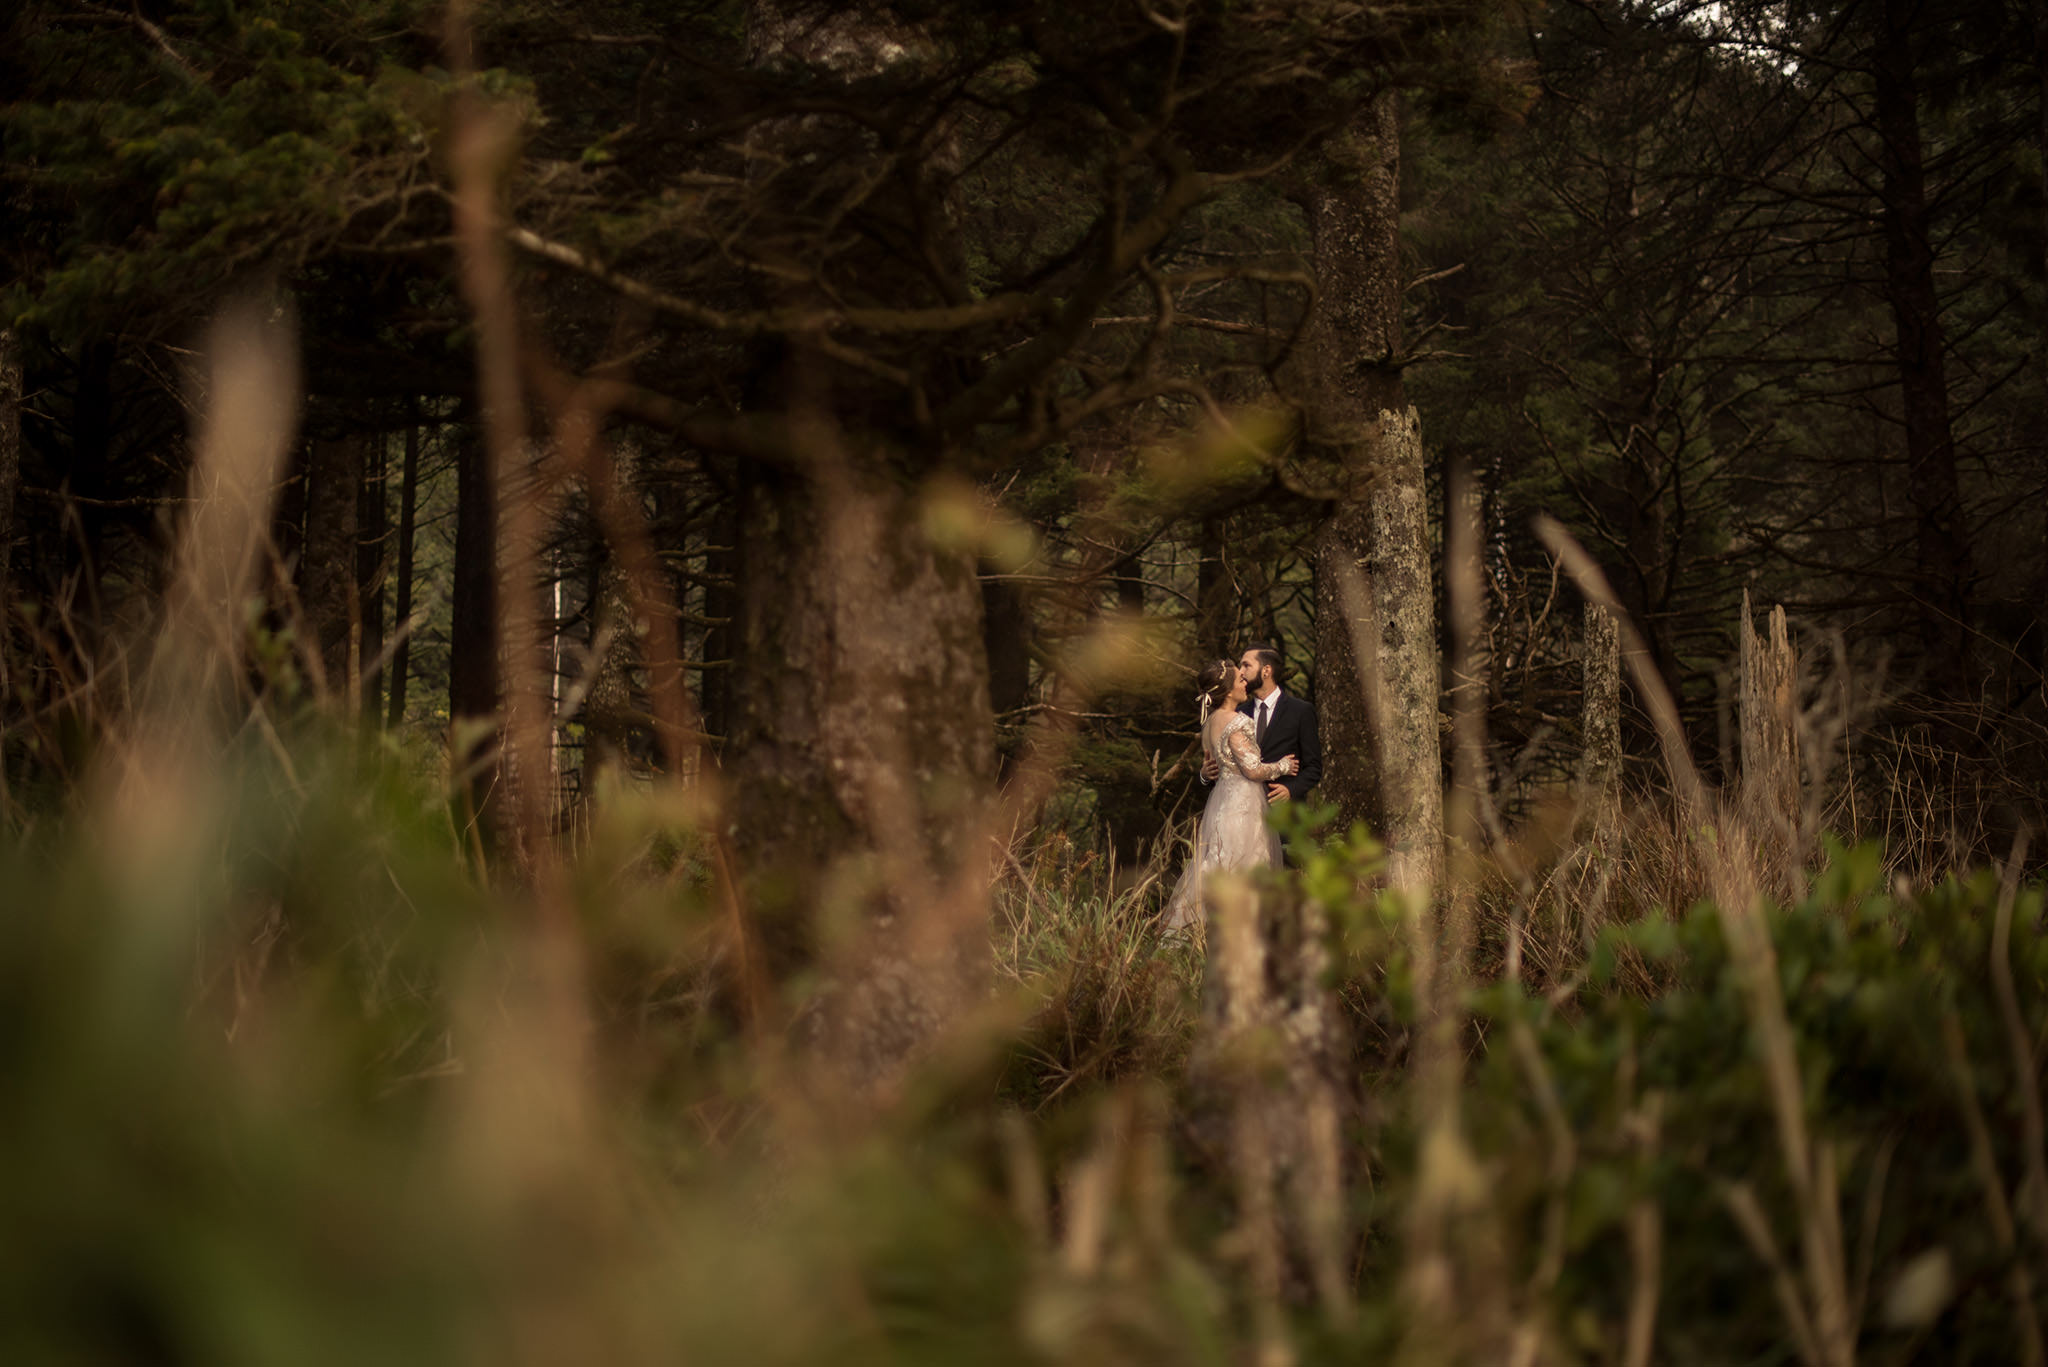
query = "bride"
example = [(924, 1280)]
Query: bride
[(1233, 832)]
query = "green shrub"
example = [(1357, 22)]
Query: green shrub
[(1868, 981)]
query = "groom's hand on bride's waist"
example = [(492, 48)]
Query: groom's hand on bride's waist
[(1211, 770), (1276, 792)]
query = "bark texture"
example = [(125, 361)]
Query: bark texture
[(1351, 195), (864, 704), (1376, 647), (862, 751), (1376, 641), (608, 713), (1600, 711), (1770, 727)]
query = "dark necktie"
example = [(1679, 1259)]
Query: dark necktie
[(1260, 732)]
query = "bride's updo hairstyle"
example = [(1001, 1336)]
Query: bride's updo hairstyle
[(1212, 686)]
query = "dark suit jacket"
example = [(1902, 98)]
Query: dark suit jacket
[(1291, 730)]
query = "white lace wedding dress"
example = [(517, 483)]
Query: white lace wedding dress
[(1232, 833)]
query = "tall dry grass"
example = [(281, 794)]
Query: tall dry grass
[(288, 1083)]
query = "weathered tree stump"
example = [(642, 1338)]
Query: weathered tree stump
[(1769, 701)]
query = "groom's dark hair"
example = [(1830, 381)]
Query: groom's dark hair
[(1268, 656)]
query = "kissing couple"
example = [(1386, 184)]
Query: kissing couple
[(1259, 747)]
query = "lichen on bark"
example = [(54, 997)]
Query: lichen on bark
[(1381, 712), (1600, 712), (1376, 641)]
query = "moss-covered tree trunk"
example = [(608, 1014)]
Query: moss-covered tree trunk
[(1377, 677)]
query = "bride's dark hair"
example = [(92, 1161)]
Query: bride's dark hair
[(1212, 685)]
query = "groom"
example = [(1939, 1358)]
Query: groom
[(1282, 723)]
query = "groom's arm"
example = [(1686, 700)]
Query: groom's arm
[(1311, 757)]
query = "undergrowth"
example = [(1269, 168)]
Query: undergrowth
[(303, 1094)]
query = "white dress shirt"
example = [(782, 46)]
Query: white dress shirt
[(1269, 704)]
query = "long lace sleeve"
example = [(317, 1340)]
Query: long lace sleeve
[(1245, 751)]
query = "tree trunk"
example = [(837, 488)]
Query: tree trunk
[(2040, 433), (373, 535), (1376, 671), (608, 713), (1600, 713), (862, 749), (1006, 636), (1941, 550), (1383, 707), (1377, 680), (1130, 590), (327, 569), (10, 483), (862, 752), (473, 685), (1376, 642), (1647, 480), (863, 712), (401, 597)]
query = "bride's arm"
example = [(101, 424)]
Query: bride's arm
[(1246, 753)]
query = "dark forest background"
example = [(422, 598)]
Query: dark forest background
[(760, 479), (1749, 296)]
